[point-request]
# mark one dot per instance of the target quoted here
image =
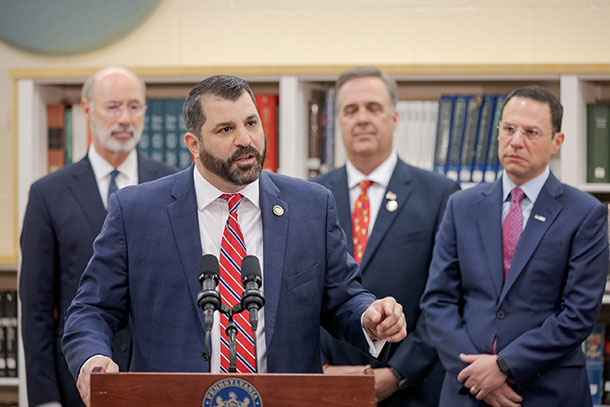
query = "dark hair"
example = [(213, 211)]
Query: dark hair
[(227, 87), (543, 95), (368, 72)]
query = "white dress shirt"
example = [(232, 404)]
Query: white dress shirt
[(380, 177), (531, 189), (212, 214), (128, 172)]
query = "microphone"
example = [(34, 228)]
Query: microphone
[(209, 298), (252, 298)]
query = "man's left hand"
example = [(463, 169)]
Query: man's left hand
[(385, 383), (385, 320), (482, 376)]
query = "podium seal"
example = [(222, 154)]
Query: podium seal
[(232, 392)]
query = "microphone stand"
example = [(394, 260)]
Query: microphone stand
[(231, 331), (254, 325)]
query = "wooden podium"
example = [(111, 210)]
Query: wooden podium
[(210, 390)]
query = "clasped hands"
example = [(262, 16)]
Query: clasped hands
[(486, 382)]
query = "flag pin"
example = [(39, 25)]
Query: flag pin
[(278, 210), (390, 195), (540, 218)]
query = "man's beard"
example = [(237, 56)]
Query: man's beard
[(106, 139), (235, 174)]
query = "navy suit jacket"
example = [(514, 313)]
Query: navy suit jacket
[(396, 263), (542, 312), (145, 263), (64, 215)]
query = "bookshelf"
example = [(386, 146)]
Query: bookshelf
[(576, 85)]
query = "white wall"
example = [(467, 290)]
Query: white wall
[(326, 32)]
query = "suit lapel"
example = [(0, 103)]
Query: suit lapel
[(338, 184), (489, 220), (184, 222), (85, 191), (399, 185), (275, 233), (546, 207)]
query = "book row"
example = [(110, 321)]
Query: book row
[(455, 136), (8, 334), (597, 355), (163, 130)]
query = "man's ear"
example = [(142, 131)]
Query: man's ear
[(192, 143)]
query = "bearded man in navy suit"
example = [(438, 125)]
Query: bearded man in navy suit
[(518, 273), (65, 212), (145, 261)]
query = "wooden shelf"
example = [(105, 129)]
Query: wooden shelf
[(9, 381)]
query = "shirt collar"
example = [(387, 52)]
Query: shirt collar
[(102, 168), (380, 175), (207, 193), (531, 188)]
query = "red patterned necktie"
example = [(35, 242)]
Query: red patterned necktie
[(360, 221), (513, 225), (232, 251)]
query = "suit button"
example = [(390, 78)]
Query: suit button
[(500, 314), (124, 347)]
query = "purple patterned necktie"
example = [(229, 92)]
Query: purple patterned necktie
[(511, 231)]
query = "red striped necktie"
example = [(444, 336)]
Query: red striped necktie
[(232, 251)]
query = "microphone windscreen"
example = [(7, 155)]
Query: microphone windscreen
[(250, 269), (208, 264)]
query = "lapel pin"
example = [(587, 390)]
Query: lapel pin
[(390, 195), (278, 210), (540, 218), (391, 206)]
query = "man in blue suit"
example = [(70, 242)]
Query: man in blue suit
[(518, 273), (145, 259), (65, 212), (406, 206)]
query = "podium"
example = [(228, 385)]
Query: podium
[(219, 390)]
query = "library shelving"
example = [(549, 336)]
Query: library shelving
[(575, 84)]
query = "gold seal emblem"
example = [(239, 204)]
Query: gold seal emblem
[(278, 210), (391, 206)]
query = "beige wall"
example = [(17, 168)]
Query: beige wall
[(326, 32)]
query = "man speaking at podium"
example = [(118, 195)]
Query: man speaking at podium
[(145, 259)]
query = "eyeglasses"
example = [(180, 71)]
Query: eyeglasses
[(508, 130), (115, 108)]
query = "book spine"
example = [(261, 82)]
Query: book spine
[(470, 137), (443, 133), (456, 138), (144, 143), (171, 117), (598, 143), (593, 348), (328, 160), (79, 132), (314, 157), (492, 165), (10, 299), (69, 135), (157, 128), (184, 155), (483, 133), (266, 105), (56, 136)]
